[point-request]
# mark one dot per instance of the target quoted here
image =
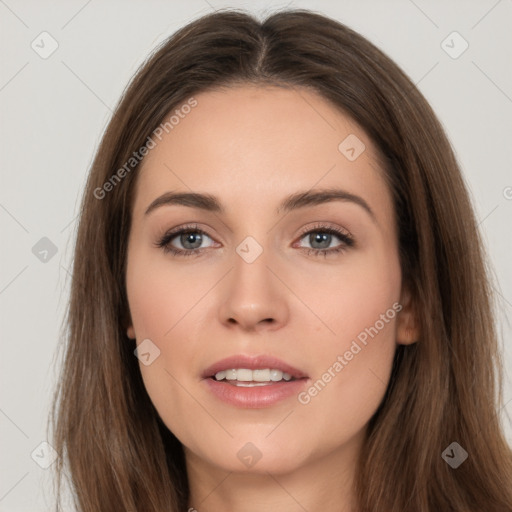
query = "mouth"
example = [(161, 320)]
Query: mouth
[(253, 382), (245, 377), (253, 369)]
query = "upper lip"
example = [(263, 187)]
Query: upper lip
[(252, 363)]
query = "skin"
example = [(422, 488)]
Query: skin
[(251, 147)]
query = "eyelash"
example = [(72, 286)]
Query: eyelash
[(164, 242)]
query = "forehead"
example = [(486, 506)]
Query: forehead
[(251, 145)]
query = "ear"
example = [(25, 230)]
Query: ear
[(407, 322), (127, 324)]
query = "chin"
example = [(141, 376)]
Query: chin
[(257, 457)]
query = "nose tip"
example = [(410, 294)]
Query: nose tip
[(253, 299)]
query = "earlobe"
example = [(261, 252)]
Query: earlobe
[(130, 332), (407, 327)]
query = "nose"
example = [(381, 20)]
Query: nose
[(253, 297)]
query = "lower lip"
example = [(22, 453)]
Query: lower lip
[(255, 397)]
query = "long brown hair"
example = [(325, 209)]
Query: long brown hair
[(445, 388)]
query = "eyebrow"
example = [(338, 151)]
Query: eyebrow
[(295, 201)]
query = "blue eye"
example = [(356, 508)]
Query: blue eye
[(186, 235), (191, 238), (323, 235)]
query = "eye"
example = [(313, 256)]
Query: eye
[(189, 237), (322, 236)]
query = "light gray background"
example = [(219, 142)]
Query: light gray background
[(54, 111)]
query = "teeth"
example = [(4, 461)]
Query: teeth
[(230, 375), (276, 375), (246, 375), (220, 375), (261, 375)]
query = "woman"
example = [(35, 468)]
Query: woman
[(357, 375)]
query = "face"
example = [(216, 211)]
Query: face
[(306, 289)]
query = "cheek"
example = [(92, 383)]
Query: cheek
[(160, 295), (352, 378), (163, 307), (352, 374)]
